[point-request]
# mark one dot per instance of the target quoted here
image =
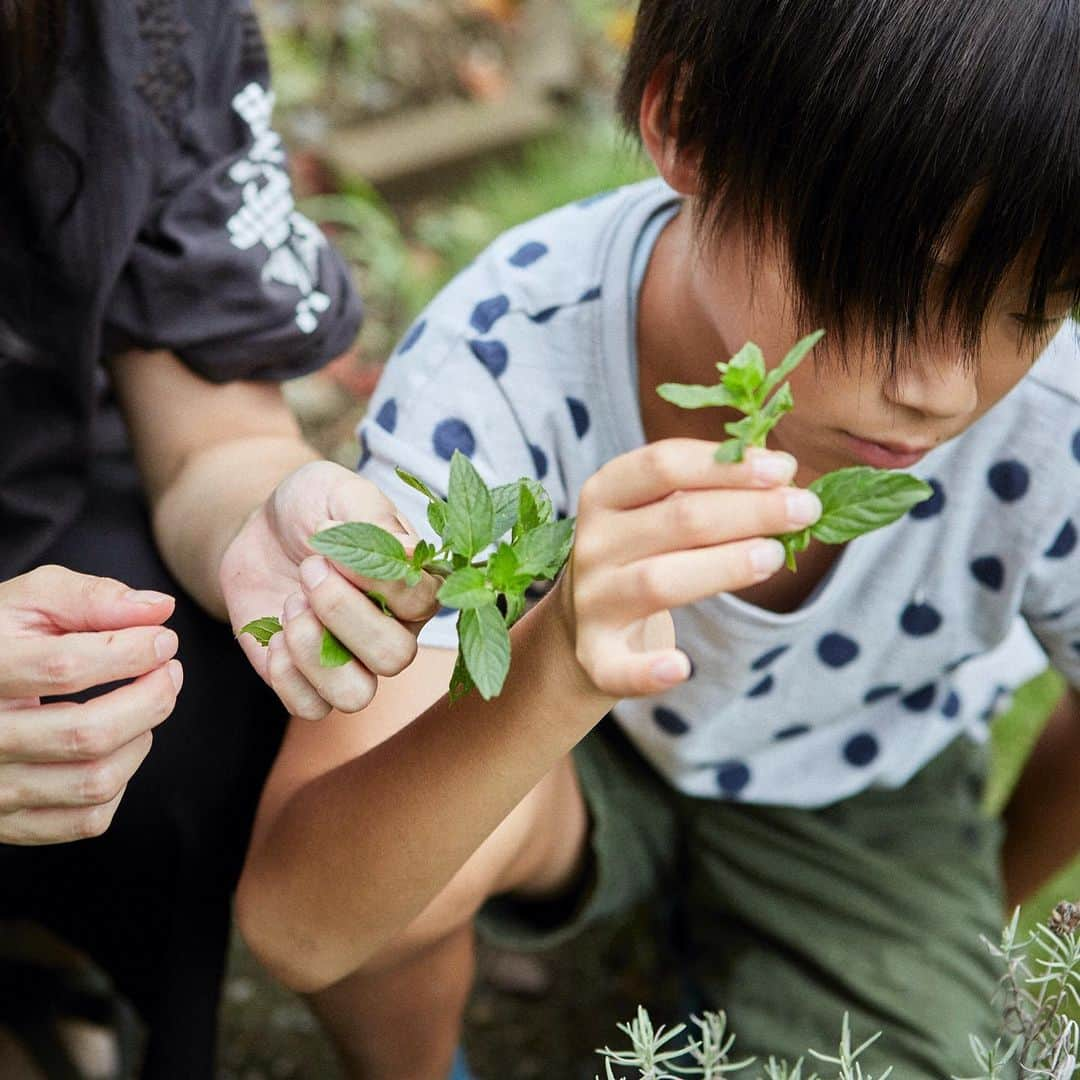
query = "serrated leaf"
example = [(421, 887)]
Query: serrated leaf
[(417, 484), (542, 552), (534, 507), (262, 630), (436, 515), (783, 401), (697, 397), (515, 607), (461, 684), (485, 645), (422, 554), (470, 516), (504, 571), (465, 589), (859, 500), (365, 549), (505, 500), (790, 362), (333, 653), (744, 375)]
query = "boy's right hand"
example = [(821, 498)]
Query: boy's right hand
[(664, 526), (64, 766)]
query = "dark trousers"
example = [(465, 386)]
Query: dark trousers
[(150, 900)]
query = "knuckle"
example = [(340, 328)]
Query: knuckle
[(663, 464), (690, 519), (92, 822), (87, 739), (99, 784), (58, 669), (650, 585)]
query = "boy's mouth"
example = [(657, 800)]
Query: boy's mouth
[(885, 455)]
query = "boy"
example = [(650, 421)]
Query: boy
[(906, 175)]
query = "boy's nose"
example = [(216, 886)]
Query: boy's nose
[(940, 388)]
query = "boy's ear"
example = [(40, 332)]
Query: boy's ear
[(677, 165)]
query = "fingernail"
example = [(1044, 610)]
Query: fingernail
[(147, 597), (803, 507), (767, 556), (296, 605), (165, 644), (671, 670), (176, 673), (313, 572), (773, 467)]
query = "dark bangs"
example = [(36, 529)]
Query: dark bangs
[(864, 131)]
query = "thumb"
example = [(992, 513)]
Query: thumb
[(355, 498), (71, 601)]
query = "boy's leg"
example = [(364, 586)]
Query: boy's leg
[(399, 1018)]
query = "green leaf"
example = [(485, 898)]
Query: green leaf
[(534, 508), (515, 607), (505, 499), (418, 484), (470, 515), (730, 452), (365, 549), (790, 362), (465, 589), (504, 571), (860, 500), (744, 375), (485, 645), (333, 653), (793, 544), (461, 684), (783, 401), (542, 552), (384, 604), (422, 554), (262, 630), (436, 515), (697, 397)]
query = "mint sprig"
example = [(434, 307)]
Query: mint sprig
[(854, 501), (489, 595)]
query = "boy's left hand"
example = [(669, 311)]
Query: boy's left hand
[(271, 569)]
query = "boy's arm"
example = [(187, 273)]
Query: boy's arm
[(1043, 814)]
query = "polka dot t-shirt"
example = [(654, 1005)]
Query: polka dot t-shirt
[(526, 363)]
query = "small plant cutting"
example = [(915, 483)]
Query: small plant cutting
[(489, 595), (854, 501)]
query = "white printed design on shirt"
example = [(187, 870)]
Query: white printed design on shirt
[(269, 215)]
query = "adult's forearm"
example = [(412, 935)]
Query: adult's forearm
[(1043, 814), (355, 855), (208, 501)]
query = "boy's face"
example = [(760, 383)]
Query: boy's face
[(847, 409)]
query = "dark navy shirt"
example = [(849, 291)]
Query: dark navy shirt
[(161, 202)]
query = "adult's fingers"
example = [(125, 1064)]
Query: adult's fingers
[(52, 826), (655, 471), (65, 600), (696, 519), (87, 731), (63, 784), (46, 665), (296, 693)]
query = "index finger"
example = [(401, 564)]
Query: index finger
[(655, 471)]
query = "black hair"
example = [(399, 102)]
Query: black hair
[(860, 131)]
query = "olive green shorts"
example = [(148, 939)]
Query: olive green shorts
[(789, 918)]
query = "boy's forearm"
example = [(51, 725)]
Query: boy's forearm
[(1043, 814), (206, 504), (397, 823)]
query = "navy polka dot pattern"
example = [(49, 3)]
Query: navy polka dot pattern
[(591, 294), (365, 453), (451, 435), (861, 749), (1076, 446), (732, 776), (545, 316), (492, 354), (762, 687), (1076, 647), (763, 661), (580, 415), (837, 650), (950, 708), (1065, 544), (527, 254), (669, 721), (386, 417), (920, 620), (1009, 480), (989, 570), (792, 732), (920, 700), (540, 461), (412, 337), (932, 506), (445, 612), (879, 693), (488, 312), (950, 668)]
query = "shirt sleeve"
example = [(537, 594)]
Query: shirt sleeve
[(1051, 603), (224, 271), (434, 398)]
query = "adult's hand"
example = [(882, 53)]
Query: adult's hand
[(270, 569), (64, 766)]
